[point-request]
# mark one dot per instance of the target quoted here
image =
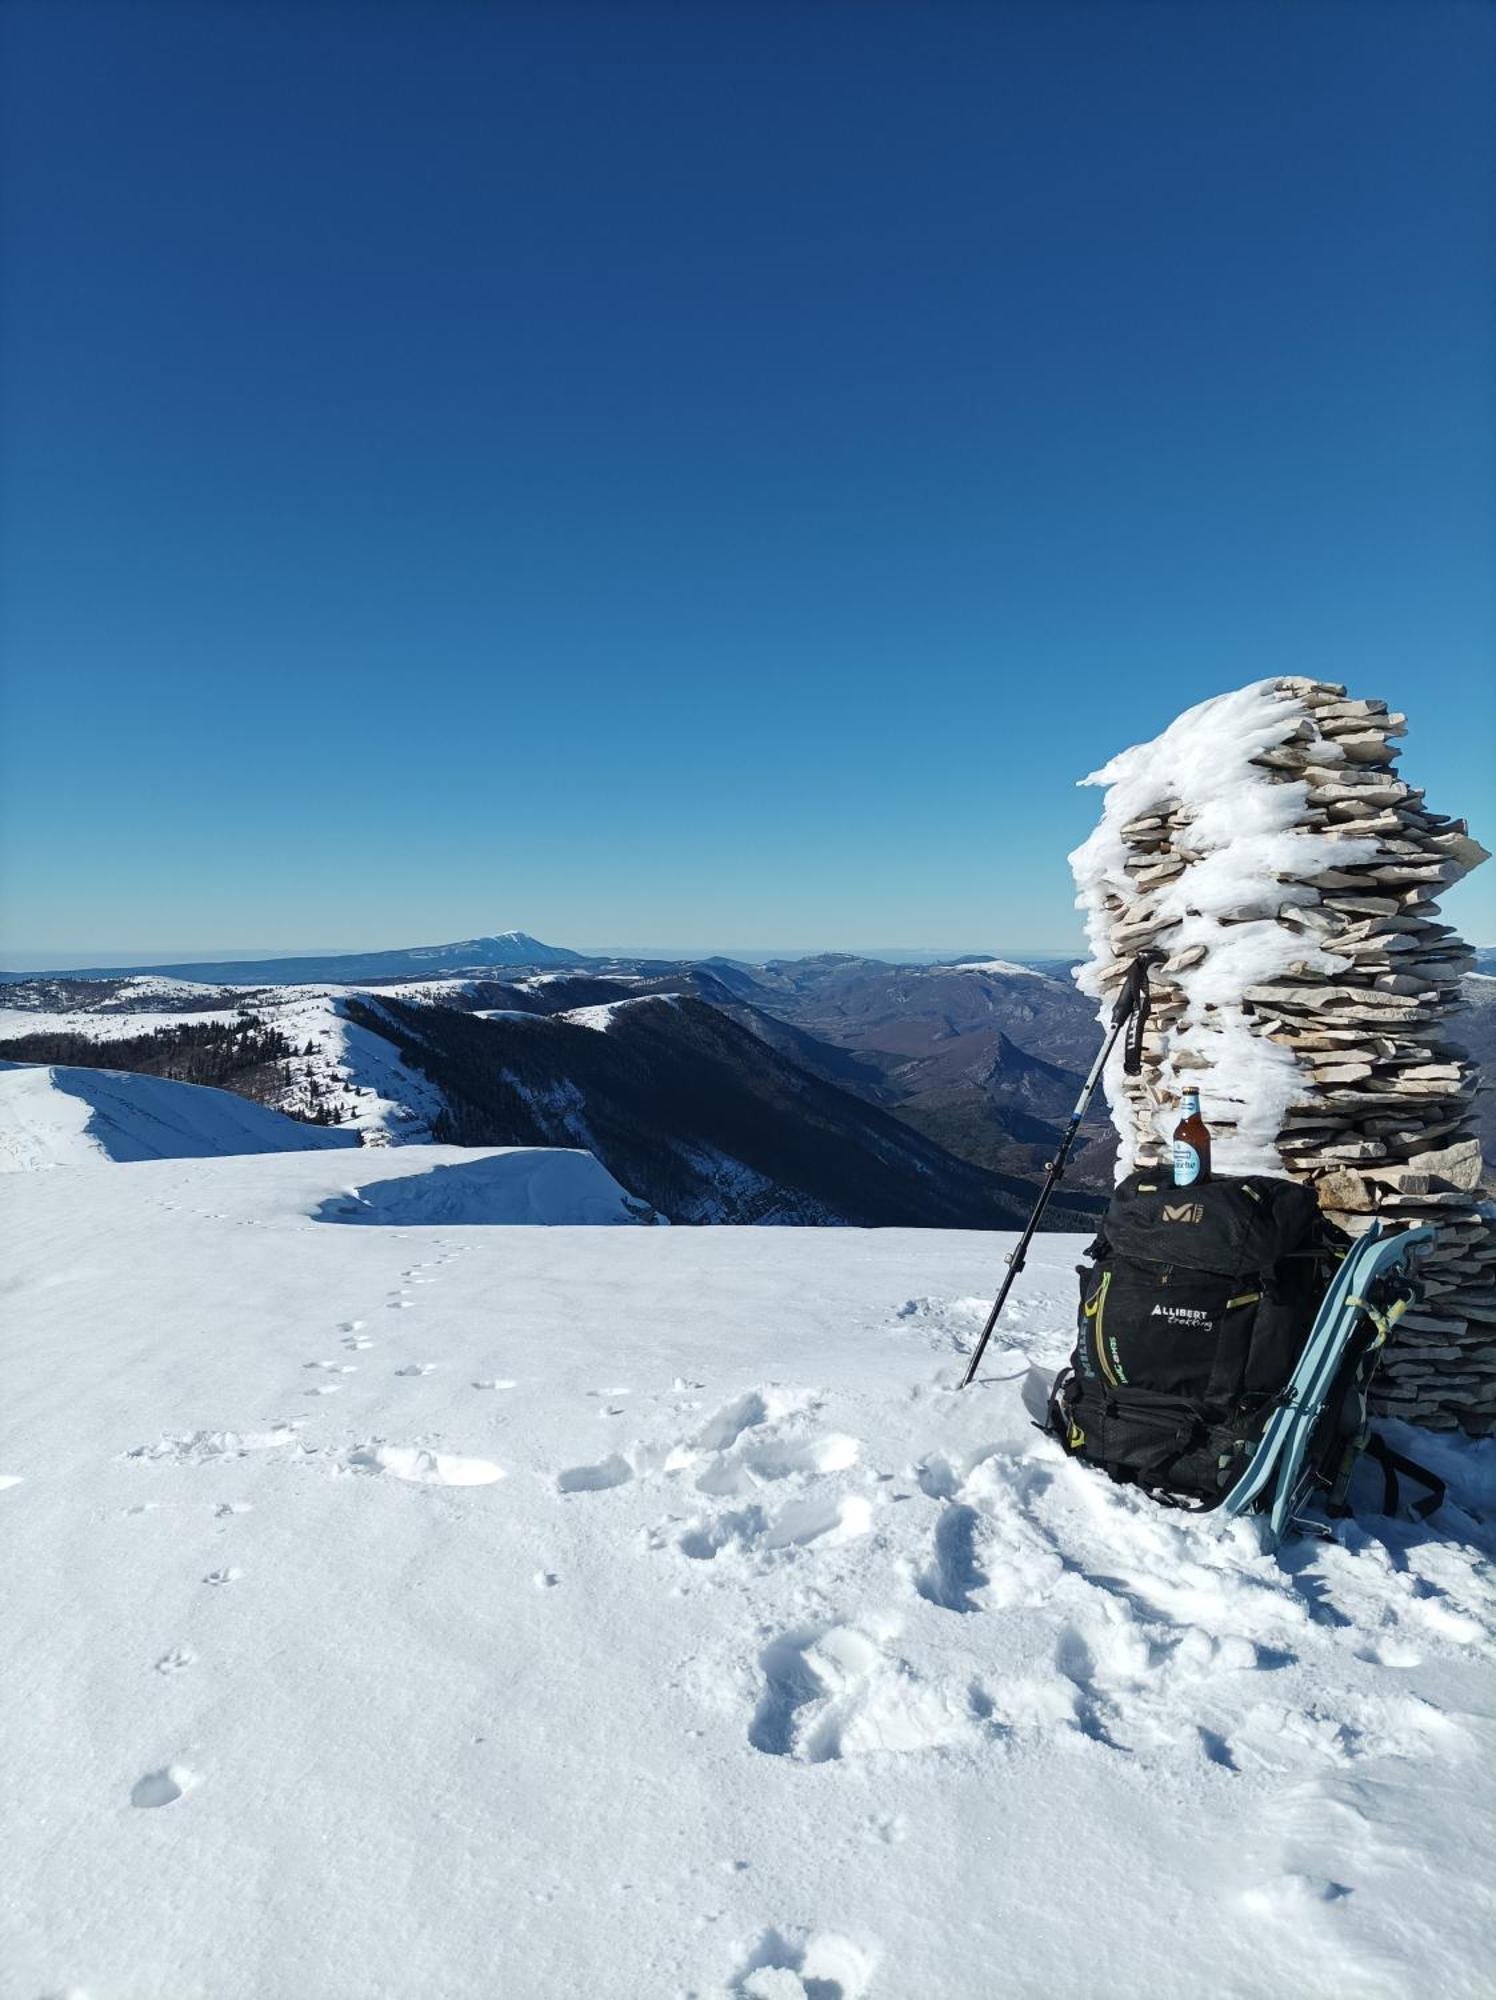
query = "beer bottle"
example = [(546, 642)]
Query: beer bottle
[(1191, 1142)]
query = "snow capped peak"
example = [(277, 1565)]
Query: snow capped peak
[(998, 968), (502, 948)]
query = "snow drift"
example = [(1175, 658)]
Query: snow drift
[(54, 1116), (511, 1185)]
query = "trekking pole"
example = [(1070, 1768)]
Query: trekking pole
[(1132, 1005)]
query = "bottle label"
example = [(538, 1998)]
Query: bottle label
[(1186, 1163)]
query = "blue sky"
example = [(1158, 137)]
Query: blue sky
[(711, 475)]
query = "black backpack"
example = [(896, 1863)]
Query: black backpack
[(1194, 1310)]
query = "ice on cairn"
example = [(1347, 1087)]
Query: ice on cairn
[(1266, 843)]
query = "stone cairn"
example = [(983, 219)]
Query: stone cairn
[(1378, 1122)]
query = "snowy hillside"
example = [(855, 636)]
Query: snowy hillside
[(686, 1105), (333, 1063), (417, 1608), (55, 1116)]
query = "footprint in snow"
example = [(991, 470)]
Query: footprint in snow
[(822, 1967), (176, 1661), (750, 1530), (417, 1368), (753, 1462), (227, 1507), (839, 1693), (420, 1467), (164, 1787), (219, 1577), (721, 1432), (495, 1382), (611, 1471), (955, 1575)]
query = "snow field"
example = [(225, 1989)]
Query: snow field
[(383, 1102), (57, 1115), (644, 1613)]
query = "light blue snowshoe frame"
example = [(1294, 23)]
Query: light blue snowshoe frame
[(1275, 1480)]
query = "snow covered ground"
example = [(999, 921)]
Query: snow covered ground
[(380, 1099), (446, 1610), (56, 1115)]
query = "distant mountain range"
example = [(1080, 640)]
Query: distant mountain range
[(508, 950), (831, 1088), (689, 1110)]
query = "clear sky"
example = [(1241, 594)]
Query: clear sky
[(711, 475)]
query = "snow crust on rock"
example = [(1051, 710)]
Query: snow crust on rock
[(1244, 843), (718, 1654)]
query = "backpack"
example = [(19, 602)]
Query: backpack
[(1195, 1307)]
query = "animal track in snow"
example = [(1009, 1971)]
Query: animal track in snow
[(358, 1344), (420, 1467), (417, 1368), (822, 1967), (219, 1577), (227, 1507), (495, 1382), (333, 1367), (176, 1661), (614, 1470), (164, 1787)]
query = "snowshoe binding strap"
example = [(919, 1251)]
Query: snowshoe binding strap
[(1392, 1463)]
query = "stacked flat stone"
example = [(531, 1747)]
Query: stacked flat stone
[(1381, 1128)]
